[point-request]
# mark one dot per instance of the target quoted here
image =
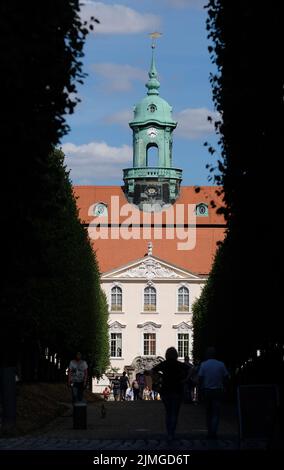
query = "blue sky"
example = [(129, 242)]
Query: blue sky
[(117, 58)]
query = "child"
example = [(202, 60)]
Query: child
[(146, 393), (106, 393), (129, 394)]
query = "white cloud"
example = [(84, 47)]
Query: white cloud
[(118, 19), (92, 162), (187, 3), (119, 77), (121, 117), (193, 122)]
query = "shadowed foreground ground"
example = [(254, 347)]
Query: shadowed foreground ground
[(141, 419), (129, 425)]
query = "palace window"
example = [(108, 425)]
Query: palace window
[(183, 344), (183, 299), (116, 299), (115, 344), (202, 210), (149, 344), (150, 299)]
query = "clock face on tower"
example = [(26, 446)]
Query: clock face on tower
[(152, 132)]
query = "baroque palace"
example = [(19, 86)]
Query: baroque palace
[(155, 241)]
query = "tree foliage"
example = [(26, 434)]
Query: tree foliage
[(70, 312), (50, 294), (239, 308)]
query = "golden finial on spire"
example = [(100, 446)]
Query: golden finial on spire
[(154, 36)]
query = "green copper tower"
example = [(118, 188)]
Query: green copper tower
[(153, 125)]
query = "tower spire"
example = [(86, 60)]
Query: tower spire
[(150, 185), (153, 84)]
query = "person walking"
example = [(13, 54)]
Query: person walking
[(116, 388), (141, 382), (174, 375), (188, 386), (77, 377), (135, 389), (212, 377), (123, 385)]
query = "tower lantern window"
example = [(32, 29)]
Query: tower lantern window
[(152, 108)]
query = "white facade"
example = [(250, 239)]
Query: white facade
[(150, 309)]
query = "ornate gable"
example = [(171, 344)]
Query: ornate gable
[(150, 268)]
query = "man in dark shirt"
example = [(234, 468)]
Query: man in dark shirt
[(174, 374), (124, 384)]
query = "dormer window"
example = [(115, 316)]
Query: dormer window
[(100, 209), (152, 108), (202, 210)]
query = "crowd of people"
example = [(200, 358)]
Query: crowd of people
[(171, 381), (145, 386), (141, 388)]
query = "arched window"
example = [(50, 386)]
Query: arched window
[(116, 299), (152, 159), (150, 299), (183, 299)]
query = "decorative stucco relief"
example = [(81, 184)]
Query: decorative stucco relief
[(150, 269)]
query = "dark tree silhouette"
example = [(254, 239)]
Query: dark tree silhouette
[(240, 308), (50, 295)]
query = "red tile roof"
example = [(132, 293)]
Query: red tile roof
[(113, 253)]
